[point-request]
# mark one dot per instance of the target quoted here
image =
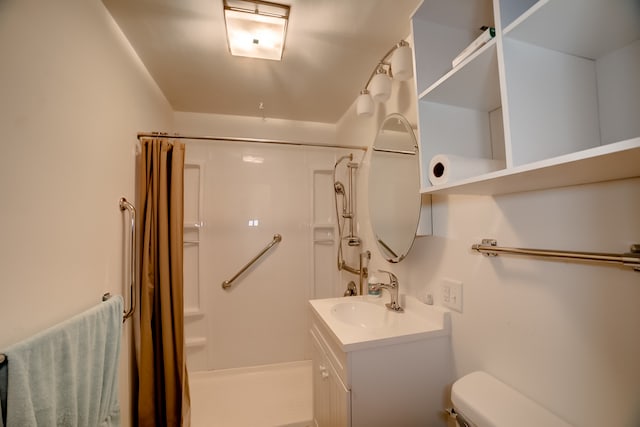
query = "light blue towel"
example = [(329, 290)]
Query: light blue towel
[(68, 375)]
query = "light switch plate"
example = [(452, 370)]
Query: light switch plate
[(452, 294)]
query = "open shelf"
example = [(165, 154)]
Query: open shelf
[(195, 342), (572, 86), (606, 163), (443, 29), (193, 313), (588, 29), (473, 84), (554, 96)]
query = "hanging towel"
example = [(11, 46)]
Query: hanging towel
[(68, 375)]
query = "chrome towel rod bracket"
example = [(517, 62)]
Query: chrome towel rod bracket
[(489, 247), (276, 239)]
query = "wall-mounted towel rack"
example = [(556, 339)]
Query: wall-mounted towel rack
[(105, 297), (489, 247), (66, 374), (276, 239), (125, 205)]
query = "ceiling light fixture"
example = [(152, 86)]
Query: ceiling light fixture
[(378, 87), (256, 29)]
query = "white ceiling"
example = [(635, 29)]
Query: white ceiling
[(331, 49)]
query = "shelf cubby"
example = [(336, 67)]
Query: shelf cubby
[(554, 95), (571, 86), (459, 108)]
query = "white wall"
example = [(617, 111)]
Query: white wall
[(262, 318), (563, 333), (73, 96), (221, 125)]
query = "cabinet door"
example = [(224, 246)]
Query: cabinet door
[(331, 399)]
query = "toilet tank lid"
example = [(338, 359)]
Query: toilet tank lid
[(488, 402)]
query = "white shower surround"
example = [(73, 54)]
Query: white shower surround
[(241, 194)]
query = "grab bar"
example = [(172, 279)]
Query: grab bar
[(631, 259), (276, 239), (125, 205)]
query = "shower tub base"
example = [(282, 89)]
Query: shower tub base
[(278, 395)]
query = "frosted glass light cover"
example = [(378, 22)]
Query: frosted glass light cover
[(255, 36), (402, 63), (380, 87), (364, 106)]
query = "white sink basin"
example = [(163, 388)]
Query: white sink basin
[(362, 314), (361, 322)]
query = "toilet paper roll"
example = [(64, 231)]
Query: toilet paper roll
[(445, 168)]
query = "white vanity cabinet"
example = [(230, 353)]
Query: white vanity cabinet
[(331, 397), (554, 96), (390, 381)]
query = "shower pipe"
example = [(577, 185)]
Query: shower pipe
[(276, 239), (125, 205), (631, 259), (142, 135), (347, 211), (362, 271)]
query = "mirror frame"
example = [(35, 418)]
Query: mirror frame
[(388, 253)]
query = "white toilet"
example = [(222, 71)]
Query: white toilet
[(480, 400)]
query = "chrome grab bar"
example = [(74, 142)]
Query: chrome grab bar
[(125, 205), (631, 259), (276, 239)]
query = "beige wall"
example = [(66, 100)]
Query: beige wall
[(564, 334), (72, 97)]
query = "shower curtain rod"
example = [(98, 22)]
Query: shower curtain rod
[(254, 140)]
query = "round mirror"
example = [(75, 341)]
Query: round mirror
[(394, 188)]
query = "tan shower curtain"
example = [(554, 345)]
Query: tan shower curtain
[(163, 387)]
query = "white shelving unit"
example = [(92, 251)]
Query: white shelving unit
[(555, 95), (195, 319)]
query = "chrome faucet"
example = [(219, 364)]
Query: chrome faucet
[(392, 287)]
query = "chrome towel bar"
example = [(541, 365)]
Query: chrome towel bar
[(125, 205), (489, 247), (105, 297), (276, 239)]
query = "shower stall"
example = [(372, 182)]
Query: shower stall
[(238, 197)]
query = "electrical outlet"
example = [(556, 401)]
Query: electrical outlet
[(452, 294)]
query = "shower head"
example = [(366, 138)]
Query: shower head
[(339, 189)]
